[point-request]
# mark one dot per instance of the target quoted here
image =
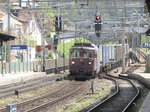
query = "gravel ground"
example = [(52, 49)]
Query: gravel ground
[(31, 94), (85, 98), (143, 90)]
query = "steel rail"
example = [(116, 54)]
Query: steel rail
[(45, 105), (40, 97), (137, 90), (137, 93), (142, 54), (33, 99), (131, 69), (109, 97), (132, 100)]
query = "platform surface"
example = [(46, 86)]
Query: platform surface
[(146, 104), (6, 79)]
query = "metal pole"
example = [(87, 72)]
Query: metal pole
[(43, 43), (132, 47), (64, 53), (139, 37), (19, 52), (27, 58), (55, 61), (148, 54), (123, 51), (58, 38), (63, 50), (43, 52), (8, 34), (30, 58), (123, 42), (75, 32), (2, 58), (5, 55)]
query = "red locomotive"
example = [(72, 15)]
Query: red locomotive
[(84, 60), (87, 60)]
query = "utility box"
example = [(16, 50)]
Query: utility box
[(12, 108)]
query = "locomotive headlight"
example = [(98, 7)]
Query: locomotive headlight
[(72, 62), (90, 63)]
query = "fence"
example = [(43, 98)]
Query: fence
[(35, 65)]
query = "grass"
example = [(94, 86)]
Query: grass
[(143, 40), (88, 101), (84, 101)]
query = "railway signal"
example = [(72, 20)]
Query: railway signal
[(97, 25), (97, 19), (58, 23), (55, 40)]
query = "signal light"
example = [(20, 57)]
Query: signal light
[(55, 42), (97, 25), (97, 18)]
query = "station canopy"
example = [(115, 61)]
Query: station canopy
[(148, 32), (148, 4), (6, 37)]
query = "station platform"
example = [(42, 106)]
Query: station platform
[(140, 72), (6, 79), (145, 106), (144, 78)]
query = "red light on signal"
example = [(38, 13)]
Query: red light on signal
[(97, 17)]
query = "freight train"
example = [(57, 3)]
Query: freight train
[(87, 60)]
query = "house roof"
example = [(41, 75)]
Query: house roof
[(6, 37), (21, 20)]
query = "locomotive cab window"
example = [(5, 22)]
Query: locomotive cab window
[(83, 54), (90, 54), (74, 54), (79, 54)]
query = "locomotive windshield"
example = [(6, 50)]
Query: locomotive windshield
[(81, 54)]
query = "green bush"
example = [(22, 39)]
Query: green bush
[(37, 57), (50, 56), (143, 40), (47, 35)]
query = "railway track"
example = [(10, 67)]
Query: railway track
[(9, 90), (41, 103), (121, 100), (143, 55), (45, 107), (130, 70)]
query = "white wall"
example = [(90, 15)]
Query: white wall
[(14, 24), (34, 31)]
